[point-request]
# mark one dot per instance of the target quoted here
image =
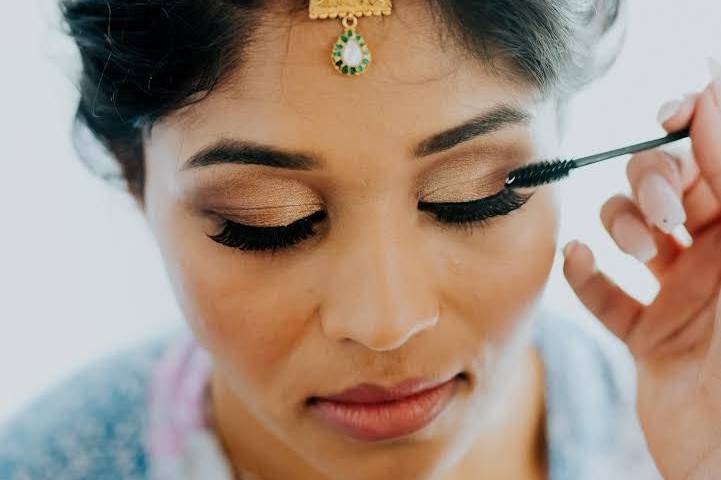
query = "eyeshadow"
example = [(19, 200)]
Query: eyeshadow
[(462, 183), (258, 200), (269, 216), (475, 173)]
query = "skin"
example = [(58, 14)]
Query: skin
[(384, 291), (676, 339)]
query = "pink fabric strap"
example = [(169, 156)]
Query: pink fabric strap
[(180, 443)]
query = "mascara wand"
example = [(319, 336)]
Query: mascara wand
[(551, 171)]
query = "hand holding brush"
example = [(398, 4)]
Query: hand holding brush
[(676, 339)]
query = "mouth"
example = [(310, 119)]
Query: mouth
[(371, 413)]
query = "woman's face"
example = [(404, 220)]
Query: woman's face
[(376, 290)]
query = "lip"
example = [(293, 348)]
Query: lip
[(371, 412)]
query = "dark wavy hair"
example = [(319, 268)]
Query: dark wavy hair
[(144, 59)]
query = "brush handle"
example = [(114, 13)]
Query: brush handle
[(551, 171), (639, 147)]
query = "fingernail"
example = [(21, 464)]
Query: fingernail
[(568, 249), (667, 110), (660, 203), (715, 68), (682, 236), (634, 237), (585, 263)]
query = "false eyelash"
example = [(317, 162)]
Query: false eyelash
[(462, 214), (476, 211), (254, 238)]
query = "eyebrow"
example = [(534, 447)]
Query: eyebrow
[(238, 152), (248, 153), (488, 122)]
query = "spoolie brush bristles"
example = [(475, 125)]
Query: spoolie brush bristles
[(539, 174)]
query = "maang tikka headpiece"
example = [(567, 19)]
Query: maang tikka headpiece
[(350, 54)]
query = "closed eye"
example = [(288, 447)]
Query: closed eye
[(255, 238), (476, 211), (463, 214)]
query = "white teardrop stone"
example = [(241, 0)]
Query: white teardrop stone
[(352, 53)]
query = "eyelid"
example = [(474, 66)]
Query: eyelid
[(455, 178), (279, 216), (477, 211), (264, 240), (247, 188), (504, 194), (484, 188)]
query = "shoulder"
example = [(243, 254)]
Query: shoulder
[(89, 427), (592, 426)]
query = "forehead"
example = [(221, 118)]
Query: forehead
[(287, 93)]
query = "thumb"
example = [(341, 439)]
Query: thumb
[(705, 130)]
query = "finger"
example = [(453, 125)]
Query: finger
[(711, 368), (690, 337), (625, 223), (701, 206), (658, 181), (698, 200), (660, 200), (617, 310), (677, 114), (678, 167), (706, 136), (687, 287)]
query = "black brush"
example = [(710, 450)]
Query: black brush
[(551, 171)]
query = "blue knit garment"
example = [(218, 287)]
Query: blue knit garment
[(92, 427)]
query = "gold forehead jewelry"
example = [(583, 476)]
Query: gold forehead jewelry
[(350, 54)]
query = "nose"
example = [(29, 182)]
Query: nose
[(381, 293)]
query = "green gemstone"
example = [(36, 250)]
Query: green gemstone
[(343, 42)]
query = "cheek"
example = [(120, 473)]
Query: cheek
[(496, 277), (249, 317)]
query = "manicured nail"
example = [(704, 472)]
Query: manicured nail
[(660, 203), (682, 236), (568, 249), (634, 237), (668, 110), (715, 68)]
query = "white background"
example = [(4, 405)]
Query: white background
[(80, 275)]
